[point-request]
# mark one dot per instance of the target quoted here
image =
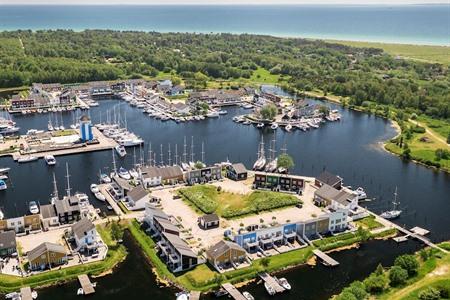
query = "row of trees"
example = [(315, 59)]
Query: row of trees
[(363, 74)]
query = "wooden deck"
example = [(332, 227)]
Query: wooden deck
[(103, 189), (194, 295), (233, 292), (329, 261), (25, 293), (272, 282), (86, 284)]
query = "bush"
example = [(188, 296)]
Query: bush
[(357, 289), (397, 276), (407, 262), (430, 294), (375, 283), (345, 295)]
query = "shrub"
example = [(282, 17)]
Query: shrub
[(407, 262), (397, 276), (357, 289), (375, 283), (345, 295), (430, 294)]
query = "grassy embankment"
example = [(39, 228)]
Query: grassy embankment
[(205, 278), (116, 254), (433, 272), (208, 199), (433, 54)]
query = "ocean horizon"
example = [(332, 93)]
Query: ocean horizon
[(422, 24)]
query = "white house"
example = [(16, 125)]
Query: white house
[(85, 235), (338, 219), (151, 177), (327, 195), (136, 198)]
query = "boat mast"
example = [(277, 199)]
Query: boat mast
[(150, 156), (55, 188), (114, 163), (176, 154), (203, 152), (134, 156), (68, 180), (395, 199), (192, 148), (184, 151), (170, 157), (162, 156)]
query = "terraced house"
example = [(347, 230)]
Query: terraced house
[(46, 255)]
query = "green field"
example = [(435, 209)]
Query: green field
[(369, 223), (435, 54), (208, 199)]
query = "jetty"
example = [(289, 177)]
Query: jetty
[(233, 291), (272, 282), (109, 199), (326, 259), (194, 295), (25, 293), (86, 285)]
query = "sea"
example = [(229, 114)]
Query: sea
[(411, 24)]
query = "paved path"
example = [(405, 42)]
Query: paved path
[(430, 132)]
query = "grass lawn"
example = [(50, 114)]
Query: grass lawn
[(439, 54), (440, 127), (207, 199), (263, 76), (369, 223), (116, 254)]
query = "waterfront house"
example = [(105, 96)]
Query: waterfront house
[(272, 97), (123, 185), (203, 175), (48, 216), (176, 253), (225, 254), (46, 255), (338, 219), (328, 178), (237, 172), (66, 97), (159, 221), (7, 243), (311, 229), (175, 91), (31, 223), (154, 176), (136, 198), (17, 224), (208, 221), (85, 236), (17, 102), (67, 209), (181, 108), (329, 196), (279, 182), (24, 224)]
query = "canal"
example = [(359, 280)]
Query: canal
[(350, 148)]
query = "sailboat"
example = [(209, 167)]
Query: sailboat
[(394, 213), (50, 125), (261, 161), (273, 164)]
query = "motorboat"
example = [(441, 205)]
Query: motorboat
[(25, 159), (269, 289), (94, 188), (104, 178), (288, 127), (246, 122), (360, 193), (80, 292), (134, 173), (123, 173), (284, 283), (120, 149), (50, 160), (33, 207), (100, 196), (13, 295), (274, 126), (34, 294), (213, 114), (222, 112), (394, 213), (272, 166), (248, 296), (2, 215), (260, 125), (248, 106), (34, 131), (182, 296), (3, 185), (82, 197)]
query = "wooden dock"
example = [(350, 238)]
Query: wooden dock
[(327, 260), (86, 284), (103, 189), (401, 239), (194, 295), (272, 282), (25, 293), (232, 291)]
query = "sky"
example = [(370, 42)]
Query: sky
[(233, 2)]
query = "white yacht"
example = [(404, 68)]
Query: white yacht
[(3, 185), (130, 141), (360, 193), (104, 178), (100, 197), (222, 112), (120, 149), (274, 126), (33, 207), (50, 160), (94, 188), (123, 173), (260, 125), (288, 127), (269, 289), (284, 283), (248, 296), (25, 159), (394, 213), (134, 173), (2, 215), (213, 114)]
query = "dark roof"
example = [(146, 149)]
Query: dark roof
[(179, 244), (7, 239), (66, 205), (43, 248), (239, 168), (222, 247), (166, 224), (84, 118), (164, 172), (328, 178), (210, 218), (123, 183), (48, 211), (330, 193), (137, 193), (81, 227)]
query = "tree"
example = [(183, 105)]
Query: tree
[(430, 294), (397, 275), (379, 270), (346, 295), (268, 112), (408, 262), (357, 289), (116, 231), (375, 283), (363, 234), (285, 161)]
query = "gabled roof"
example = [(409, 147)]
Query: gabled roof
[(166, 224), (210, 218), (239, 168), (328, 178), (7, 239), (222, 247), (137, 193), (81, 227), (179, 244), (48, 211), (64, 205), (123, 183), (330, 193), (44, 248)]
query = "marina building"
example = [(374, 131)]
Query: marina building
[(85, 236), (23, 224), (237, 172), (225, 254), (335, 199), (68, 209), (330, 179), (48, 216), (203, 175), (176, 253), (46, 255), (154, 176), (137, 198), (208, 221), (279, 182), (8, 243)]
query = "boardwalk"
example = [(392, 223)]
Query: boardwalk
[(408, 233), (25, 293), (327, 260), (233, 292), (103, 189), (272, 282), (86, 284), (194, 295)]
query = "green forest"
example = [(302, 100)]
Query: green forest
[(361, 74)]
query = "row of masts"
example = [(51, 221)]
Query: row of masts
[(269, 163)]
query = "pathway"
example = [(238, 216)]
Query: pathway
[(430, 132)]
